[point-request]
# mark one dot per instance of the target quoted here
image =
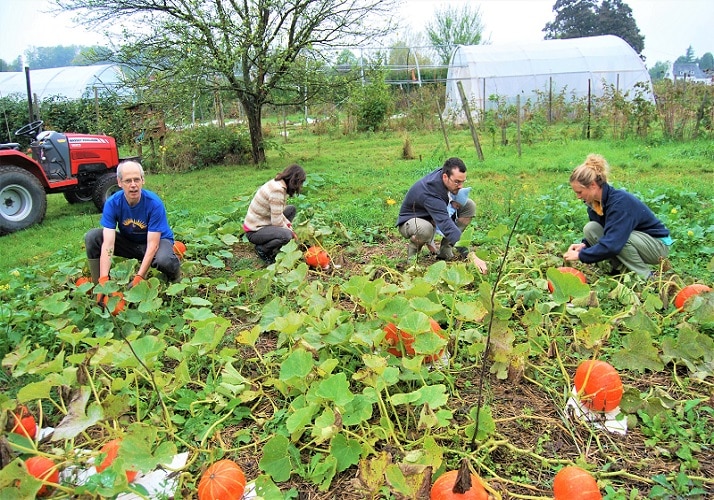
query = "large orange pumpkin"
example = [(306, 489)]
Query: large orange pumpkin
[(24, 423), (317, 257), (81, 281), (574, 483), (119, 307), (403, 342), (443, 488), (570, 270), (598, 385), (111, 450), (224, 480), (44, 469), (687, 292), (179, 249)]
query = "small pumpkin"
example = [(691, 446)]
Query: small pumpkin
[(119, 307), (81, 281), (569, 270), (179, 249), (402, 342), (443, 488), (598, 385), (223, 480), (24, 423), (574, 483), (687, 292), (111, 450), (317, 257), (43, 469)]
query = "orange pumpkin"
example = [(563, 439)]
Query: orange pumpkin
[(24, 423), (179, 249), (403, 342), (687, 292), (443, 488), (574, 483), (111, 450), (81, 281), (598, 385), (119, 307), (569, 270), (43, 469), (224, 480), (317, 257)]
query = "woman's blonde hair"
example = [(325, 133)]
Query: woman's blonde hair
[(595, 169)]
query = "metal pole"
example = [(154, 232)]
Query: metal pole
[(29, 94)]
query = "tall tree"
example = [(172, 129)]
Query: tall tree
[(615, 18), (659, 70), (579, 18), (452, 27), (706, 62), (51, 57), (15, 65), (573, 19), (259, 50)]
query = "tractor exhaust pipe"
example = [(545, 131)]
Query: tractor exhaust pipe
[(29, 94)]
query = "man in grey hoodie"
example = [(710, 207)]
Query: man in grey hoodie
[(426, 206)]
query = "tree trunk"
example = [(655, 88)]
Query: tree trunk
[(253, 113)]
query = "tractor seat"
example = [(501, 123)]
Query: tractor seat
[(10, 145)]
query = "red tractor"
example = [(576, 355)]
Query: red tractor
[(82, 167)]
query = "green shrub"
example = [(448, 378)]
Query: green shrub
[(370, 104), (205, 146)]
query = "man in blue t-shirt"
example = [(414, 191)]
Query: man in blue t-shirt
[(134, 226)]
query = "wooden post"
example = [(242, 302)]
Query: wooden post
[(441, 122), (590, 100), (469, 118), (96, 108), (550, 100), (518, 124)]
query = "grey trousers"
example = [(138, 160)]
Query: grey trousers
[(639, 253), (165, 260), (419, 232), (270, 239)]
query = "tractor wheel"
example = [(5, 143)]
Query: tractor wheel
[(23, 201), (78, 196), (105, 187)]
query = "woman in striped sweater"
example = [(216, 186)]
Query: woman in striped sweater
[(268, 223)]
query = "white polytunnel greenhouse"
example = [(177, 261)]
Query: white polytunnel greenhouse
[(71, 82), (577, 66)]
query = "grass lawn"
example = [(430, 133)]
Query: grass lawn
[(351, 178)]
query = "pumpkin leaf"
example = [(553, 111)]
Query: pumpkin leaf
[(408, 479), (335, 388), (276, 458), (298, 364), (370, 476), (637, 353), (346, 451), (486, 424), (79, 416)]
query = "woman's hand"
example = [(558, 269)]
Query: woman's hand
[(573, 253), (482, 266)]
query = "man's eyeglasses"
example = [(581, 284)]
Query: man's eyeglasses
[(457, 183)]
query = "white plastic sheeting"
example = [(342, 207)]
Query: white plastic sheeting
[(70, 81), (547, 66)]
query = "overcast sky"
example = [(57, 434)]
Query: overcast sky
[(669, 26)]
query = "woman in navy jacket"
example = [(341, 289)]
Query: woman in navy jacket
[(622, 229)]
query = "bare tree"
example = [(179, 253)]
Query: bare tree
[(453, 27), (260, 50)]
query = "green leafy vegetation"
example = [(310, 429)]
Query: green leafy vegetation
[(284, 369)]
